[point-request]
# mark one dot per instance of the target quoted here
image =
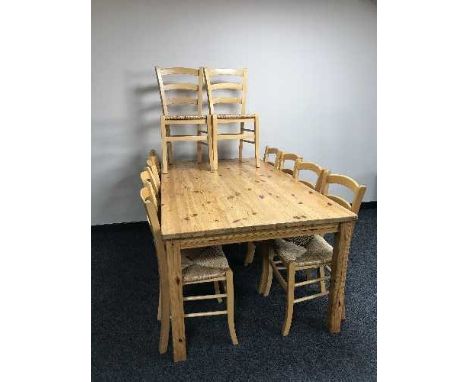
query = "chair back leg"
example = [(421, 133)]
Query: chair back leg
[(199, 147), (323, 287), (241, 142), (164, 146), (170, 153), (257, 140), (209, 138), (214, 136), (230, 306)]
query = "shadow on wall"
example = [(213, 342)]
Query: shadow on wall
[(119, 150)]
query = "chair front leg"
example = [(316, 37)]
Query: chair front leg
[(289, 299)]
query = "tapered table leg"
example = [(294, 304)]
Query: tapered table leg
[(338, 275), (176, 298)]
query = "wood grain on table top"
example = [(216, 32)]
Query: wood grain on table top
[(239, 197)]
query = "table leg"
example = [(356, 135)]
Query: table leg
[(261, 251), (176, 297), (338, 275)]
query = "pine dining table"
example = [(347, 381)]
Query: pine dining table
[(242, 203)]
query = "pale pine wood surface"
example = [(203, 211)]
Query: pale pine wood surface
[(239, 197)]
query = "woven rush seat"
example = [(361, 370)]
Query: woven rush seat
[(235, 116), (184, 117), (207, 264), (316, 251)]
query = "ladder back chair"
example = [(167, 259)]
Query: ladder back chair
[(150, 204), (272, 151), (147, 179), (315, 168), (343, 180), (203, 137), (200, 265), (306, 253), (287, 157), (150, 178), (245, 135)]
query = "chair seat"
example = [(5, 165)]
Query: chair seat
[(206, 264), (312, 250), (235, 116), (184, 117)]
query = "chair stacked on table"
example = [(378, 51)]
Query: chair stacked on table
[(311, 254), (212, 82), (201, 265)]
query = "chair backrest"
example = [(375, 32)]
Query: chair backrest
[(154, 176), (190, 87), (272, 151), (152, 215), (287, 157), (213, 86), (343, 180), (148, 181), (153, 160), (310, 166)]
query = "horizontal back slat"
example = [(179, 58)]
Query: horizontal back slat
[(309, 166), (344, 181), (179, 70), (226, 72), (181, 86), (290, 156), (226, 100), (182, 101), (227, 85)]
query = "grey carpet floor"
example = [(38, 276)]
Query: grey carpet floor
[(125, 331)]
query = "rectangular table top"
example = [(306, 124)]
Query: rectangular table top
[(239, 197)]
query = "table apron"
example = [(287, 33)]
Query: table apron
[(273, 233)]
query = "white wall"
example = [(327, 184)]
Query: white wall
[(312, 79)]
